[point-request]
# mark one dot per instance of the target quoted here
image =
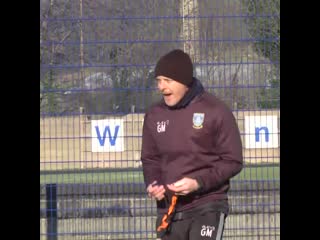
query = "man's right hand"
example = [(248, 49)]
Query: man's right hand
[(156, 191)]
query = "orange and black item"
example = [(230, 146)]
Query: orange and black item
[(167, 217)]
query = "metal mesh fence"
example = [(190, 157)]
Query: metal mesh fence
[(96, 80)]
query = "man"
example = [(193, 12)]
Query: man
[(191, 148)]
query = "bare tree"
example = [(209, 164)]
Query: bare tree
[(123, 40), (53, 35)]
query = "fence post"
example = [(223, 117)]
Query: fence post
[(82, 137), (51, 197)]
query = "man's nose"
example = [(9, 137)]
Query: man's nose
[(161, 85)]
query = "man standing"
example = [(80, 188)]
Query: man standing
[(191, 148)]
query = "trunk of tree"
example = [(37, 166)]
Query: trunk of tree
[(190, 28)]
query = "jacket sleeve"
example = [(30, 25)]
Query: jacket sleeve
[(227, 160), (149, 155)]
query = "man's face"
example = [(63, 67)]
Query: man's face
[(171, 90)]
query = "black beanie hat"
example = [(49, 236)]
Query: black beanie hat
[(176, 65)]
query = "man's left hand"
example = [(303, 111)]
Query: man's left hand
[(184, 186)]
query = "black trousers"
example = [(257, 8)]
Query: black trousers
[(204, 225)]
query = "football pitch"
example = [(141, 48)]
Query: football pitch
[(135, 176)]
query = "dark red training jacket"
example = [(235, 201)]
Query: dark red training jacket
[(201, 141)]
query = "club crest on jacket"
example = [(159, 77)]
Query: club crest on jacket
[(197, 120)]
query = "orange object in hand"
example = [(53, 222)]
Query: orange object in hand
[(164, 223)]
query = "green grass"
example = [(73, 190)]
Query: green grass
[(93, 177), (248, 173), (259, 173)]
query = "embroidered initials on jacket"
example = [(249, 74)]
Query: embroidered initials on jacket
[(161, 126)]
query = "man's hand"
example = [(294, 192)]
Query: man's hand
[(184, 186), (156, 191)]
